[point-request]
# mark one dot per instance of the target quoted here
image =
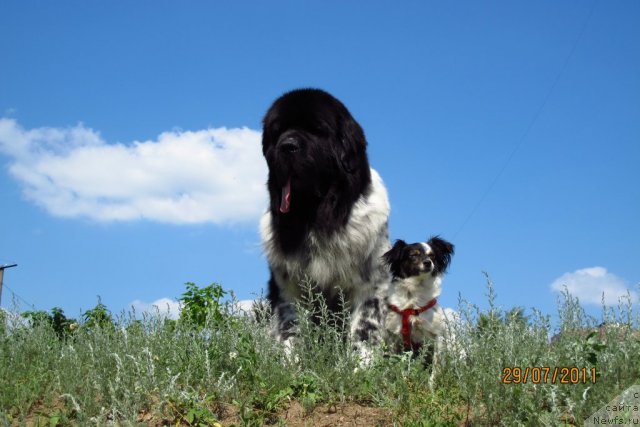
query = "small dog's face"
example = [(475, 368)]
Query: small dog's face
[(415, 259)]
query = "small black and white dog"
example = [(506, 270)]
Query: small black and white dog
[(412, 317)]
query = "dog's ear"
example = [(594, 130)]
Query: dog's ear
[(442, 251), (393, 257), (352, 142)]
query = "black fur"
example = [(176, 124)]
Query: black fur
[(310, 138), (283, 312), (368, 327), (442, 253)]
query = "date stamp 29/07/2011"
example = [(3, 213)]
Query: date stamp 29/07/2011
[(548, 375)]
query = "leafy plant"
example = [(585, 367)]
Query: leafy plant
[(98, 316), (37, 318), (193, 411), (202, 304), (306, 388), (592, 346), (62, 325)]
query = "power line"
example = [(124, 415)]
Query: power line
[(14, 294), (531, 123)]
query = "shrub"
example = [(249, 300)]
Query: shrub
[(98, 317), (61, 325), (202, 304)]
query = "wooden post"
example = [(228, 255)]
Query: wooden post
[(2, 268)]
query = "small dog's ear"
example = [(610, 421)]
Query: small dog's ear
[(395, 252), (442, 251), (393, 257)]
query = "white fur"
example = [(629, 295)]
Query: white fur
[(415, 292)]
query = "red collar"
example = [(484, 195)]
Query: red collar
[(406, 326)]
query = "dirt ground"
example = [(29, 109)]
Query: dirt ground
[(324, 416), (345, 414)]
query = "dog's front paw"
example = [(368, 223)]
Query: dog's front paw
[(365, 358), (289, 352)]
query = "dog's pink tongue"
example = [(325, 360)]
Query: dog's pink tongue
[(285, 203)]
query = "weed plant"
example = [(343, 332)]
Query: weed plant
[(222, 366)]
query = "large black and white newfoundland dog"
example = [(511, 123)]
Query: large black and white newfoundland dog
[(327, 220)]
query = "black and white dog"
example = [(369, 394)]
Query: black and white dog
[(412, 316), (328, 213)]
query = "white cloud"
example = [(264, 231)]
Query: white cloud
[(246, 305), (588, 285), (211, 175), (162, 306)]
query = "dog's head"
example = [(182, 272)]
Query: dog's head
[(416, 259), (316, 153)]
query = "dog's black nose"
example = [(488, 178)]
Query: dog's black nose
[(428, 264), (289, 145)]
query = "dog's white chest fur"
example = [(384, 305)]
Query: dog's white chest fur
[(414, 292), (349, 260)]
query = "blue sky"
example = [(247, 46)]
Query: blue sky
[(130, 131)]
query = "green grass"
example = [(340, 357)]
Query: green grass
[(224, 366)]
